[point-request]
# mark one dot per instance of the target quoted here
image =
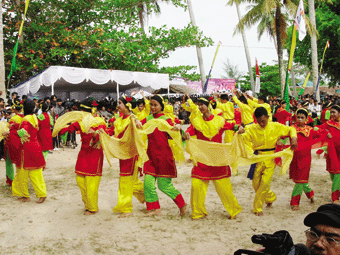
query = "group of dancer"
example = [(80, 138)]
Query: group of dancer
[(211, 118)]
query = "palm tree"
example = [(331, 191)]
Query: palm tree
[(262, 8), (250, 69), (198, 49), (2, 58), (267, 24)]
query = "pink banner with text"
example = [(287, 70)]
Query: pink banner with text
[(214, 85)]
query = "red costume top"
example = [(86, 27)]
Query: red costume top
[(238, 119), (13, 143), (90, 159), (31, 153), (323, 116), (127, 166), (202, 171), (45, 133), (282, 115), (333, 159), (161, 161), (300, 166)]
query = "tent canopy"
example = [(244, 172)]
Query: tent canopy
[(61, 78)]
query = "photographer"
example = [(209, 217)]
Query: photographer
[(323, 237)]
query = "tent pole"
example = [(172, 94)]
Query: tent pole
[(117, 92), (52, 89)]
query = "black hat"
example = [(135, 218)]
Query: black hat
[(328, 214)]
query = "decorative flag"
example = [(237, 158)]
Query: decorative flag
[(13, 66), (257, 83), (212, 65), (323, 57), (292, 49), (286, 94), (300, 22), (303, 86)]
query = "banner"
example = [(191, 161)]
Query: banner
[(257, 83), (300, 22), (212, 65), (214, 85)]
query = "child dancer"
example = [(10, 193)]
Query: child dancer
[(209, 127), (12, 143), (129, 184), (32, 160), (161, 165), (227, 108), (262, 137), (300, 166), (89, 164), (282, 115), (45, 134), (332, 161)]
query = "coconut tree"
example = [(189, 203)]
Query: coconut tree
[(262, 8), (2, 61), (267, 24)]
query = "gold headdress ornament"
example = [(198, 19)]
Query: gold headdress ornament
[(128, 100), (204, 99), (303, 109), (84, 106)]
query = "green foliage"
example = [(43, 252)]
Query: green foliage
[(232, 71), (327, 17), (270, 80), (93, 34)]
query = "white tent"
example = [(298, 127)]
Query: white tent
[(61, 80)]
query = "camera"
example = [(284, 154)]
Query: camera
[(279, 243)]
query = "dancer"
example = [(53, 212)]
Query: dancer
[(246, 110), (45, 134), (143, 108), (282, 115), (89, 164), (259, 102), (12, 143), (129, 184), (209, 127), (32, 160), (227, 108), (300, 166), (161, 165), (332, 160), (262, 137)]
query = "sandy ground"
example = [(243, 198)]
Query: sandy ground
[(58, 226)]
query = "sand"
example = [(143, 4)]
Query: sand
[(58, 226)]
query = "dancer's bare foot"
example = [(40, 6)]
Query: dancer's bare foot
[(295, 207), (269, 205), (156, 212), (183, 211), (336, 202), (41, 200), (200, 218), (232, 217), (125, 215), (24, 199), (312, 200), (258, 213), (90, 212)]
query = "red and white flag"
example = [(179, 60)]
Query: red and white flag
[(257, 83), (300, 22)]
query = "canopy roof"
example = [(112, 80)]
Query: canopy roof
[(64, 78)]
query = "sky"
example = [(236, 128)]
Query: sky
[(217, 21)]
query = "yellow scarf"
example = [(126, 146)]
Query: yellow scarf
[(4, 127), (69, 117), (121, 124), (209, 128), (234, 154), (32, 119), (16, 119)]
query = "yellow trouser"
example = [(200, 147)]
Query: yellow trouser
[(21, 182), (224, 190), (228, 136), (261, 183), (89, 186), (129, 186)]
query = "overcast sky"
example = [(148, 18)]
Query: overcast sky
[(217, 21)]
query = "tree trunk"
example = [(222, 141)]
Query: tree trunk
[(246, 50), (314, 46), (280, 50), (198, 49), (141, 16), (2, 59)]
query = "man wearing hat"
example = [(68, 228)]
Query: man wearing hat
[(323, 237)]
